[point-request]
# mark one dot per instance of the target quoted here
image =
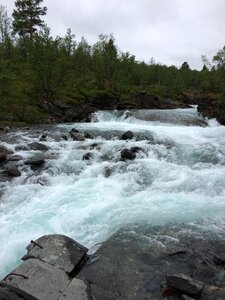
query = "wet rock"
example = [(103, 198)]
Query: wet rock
[(77, 290), (38, 281), (136, 149), (64, 137), (185, 284), (12, 170), (74, 130), (22, 148), (219, 259), (128, 154), (87, 156), (15, 157), (5, 150), (38, 146), (128, 135), (57, 250), (36, 160), (3, 156), (87, 135), (43, 137), (107, 172), (94, 145), (76, 136)]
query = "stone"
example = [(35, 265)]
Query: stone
[(57, 250), (87, 156), (22, 148), (185, 284), (12, 170), (64, 137), (87, 135), (219, 260), (76, 290), (76, 136), (107, 172), (128, 135), (211, 292), (39, 280), (38, 146), (5, 150), (43, 137), (128, 154), (6, 294), (36, 160), (74, 130), (15, 157), (3, 156)]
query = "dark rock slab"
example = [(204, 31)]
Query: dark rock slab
[(22, 148), (36, 160), (38, 146), (185, 284), (39, 280), (76, 290), (57, 250), (128, 135), (128, 154)]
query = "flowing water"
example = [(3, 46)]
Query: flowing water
[(177, 178)]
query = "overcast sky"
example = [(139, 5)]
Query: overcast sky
[(171, 31)]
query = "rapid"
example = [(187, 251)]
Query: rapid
[(178, 178)]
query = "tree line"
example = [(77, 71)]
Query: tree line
[(35, 66)]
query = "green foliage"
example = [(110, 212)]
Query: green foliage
[(36, 67), (27, 17)]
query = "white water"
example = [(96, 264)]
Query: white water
[(178, 178)]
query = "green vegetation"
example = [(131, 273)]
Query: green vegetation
[(35, 67)]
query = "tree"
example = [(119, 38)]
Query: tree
[(27, 17), (185, 66)]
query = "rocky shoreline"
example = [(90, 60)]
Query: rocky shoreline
[(57, 267)]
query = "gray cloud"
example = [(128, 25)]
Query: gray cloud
[(170, 31)]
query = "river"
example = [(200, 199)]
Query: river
[(178, 177)]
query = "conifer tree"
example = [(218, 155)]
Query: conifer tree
[(26, 17)]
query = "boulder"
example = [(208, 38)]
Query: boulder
[(74, 130), (128, 154), (38, 146), (34, 279), (128, 135), (36, 160), (6, 294), (12, 170), (185, 284), (76, 136), (57, 250), (22, 148)]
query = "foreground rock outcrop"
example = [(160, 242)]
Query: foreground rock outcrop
[(57, 267)]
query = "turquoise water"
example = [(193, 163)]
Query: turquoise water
[(179, 177)]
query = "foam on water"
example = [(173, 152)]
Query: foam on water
[(178, 177)]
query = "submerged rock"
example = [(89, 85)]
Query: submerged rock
[(88, 156), (87, 135), (128, 154), (128, 135)]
